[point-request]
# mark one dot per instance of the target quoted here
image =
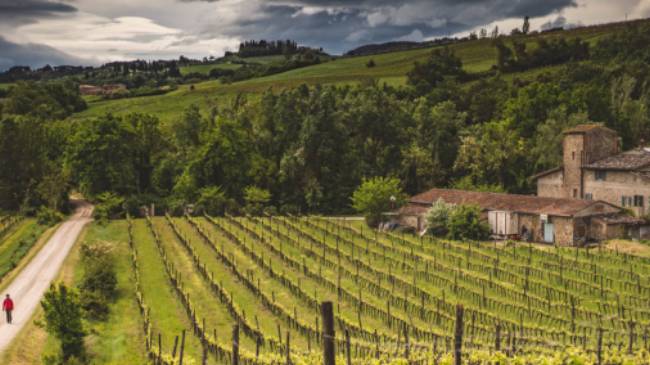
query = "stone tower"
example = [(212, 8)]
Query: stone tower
[(583, 145)]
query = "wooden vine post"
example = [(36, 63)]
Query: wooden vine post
[(599, 349), (327, 314), (235, 344), (347, 347), (458, 335), (180, 361)]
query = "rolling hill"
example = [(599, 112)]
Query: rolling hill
[(477, 56)]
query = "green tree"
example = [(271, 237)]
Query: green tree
[(148, 146), (465, 223), (23, 161), (187, 130), (62, 313), (546, 145), (101, 157), (437, 134), (438, 218), (212, 200), (256, 199), (525, 28), (109, 206), (376, 196), (493, 153), (99, 282), (440, 64)]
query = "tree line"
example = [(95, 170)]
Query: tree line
[(308, 148)]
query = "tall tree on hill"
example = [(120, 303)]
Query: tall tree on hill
[(440, 64), (525, 28), (495, 32)]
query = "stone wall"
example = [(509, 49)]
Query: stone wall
[(563, 230), (532, 224), (616, 185), (552, 186), (573, 147), (415, 221), (600, 143)]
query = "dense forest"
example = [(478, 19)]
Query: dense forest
[(307, 149)]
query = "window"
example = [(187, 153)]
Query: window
[(627, 201), (575, 193), (573, 155), (638, 201), (589, 196), (601, 175)]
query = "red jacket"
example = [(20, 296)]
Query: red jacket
[(8, 305)]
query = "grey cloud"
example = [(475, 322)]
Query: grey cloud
[(560, 21), (17, 12), (33, 55), (344, 24)]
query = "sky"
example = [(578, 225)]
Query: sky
[(91, 32)]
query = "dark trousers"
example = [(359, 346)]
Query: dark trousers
[(8, 316)]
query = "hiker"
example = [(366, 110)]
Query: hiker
[(8, 307)]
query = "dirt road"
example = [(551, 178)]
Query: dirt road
[(28, 287)]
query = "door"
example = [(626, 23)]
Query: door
[(549, 232)]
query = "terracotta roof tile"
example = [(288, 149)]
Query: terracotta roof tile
[(630, 160), (584, 128), (508, 202)]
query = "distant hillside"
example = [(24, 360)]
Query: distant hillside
[(479, 57), (387, 47)]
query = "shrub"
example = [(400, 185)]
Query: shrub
[(438, 217), (110, 206), (465, 223), (99, 282), (47, 216), (256, 199), (376, 196), (213, 201), (62, 313), (371, 63)]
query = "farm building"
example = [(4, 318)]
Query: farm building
[(562, 221), (593, 168)]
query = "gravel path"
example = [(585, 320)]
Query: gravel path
[(29, 286)]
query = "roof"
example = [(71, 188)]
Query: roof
[(531, 204), (629, 160), (622, 219), (585, 128), (546, 172)]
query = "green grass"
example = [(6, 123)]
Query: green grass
[(17, 243), (168, 316), (5, 86), (119, 339), (205, 69)]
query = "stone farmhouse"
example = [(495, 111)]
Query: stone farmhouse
[(594, 168), (561, 221), (588, 198)]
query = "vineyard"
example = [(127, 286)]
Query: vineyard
[(395, 296)]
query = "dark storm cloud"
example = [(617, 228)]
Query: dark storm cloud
[(27, 11), (338, 25), (34, 55)]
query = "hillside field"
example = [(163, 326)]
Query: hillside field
[(391, 68)]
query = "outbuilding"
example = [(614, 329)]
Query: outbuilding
[(561, 221)]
